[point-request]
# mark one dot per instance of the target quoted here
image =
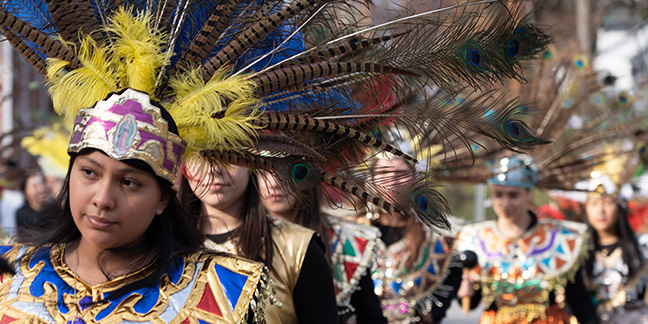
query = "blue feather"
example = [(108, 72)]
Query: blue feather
[(33, 12)]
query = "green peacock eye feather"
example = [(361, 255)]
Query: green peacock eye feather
[(300, 172), (422, 202)]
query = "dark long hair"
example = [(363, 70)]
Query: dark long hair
[(628, 244), (169, 234), (255, 237), (309, 215)]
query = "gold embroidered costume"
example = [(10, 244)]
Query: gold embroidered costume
[(199, 288), (290, 246)]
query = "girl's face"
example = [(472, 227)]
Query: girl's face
[(276, 201), (112, 203), (602, 212), (510, 202), (217, 187), (36, 191), (393, 174)]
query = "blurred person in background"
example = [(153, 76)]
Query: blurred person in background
[(12, 198), (528, 269), (615, 269), (415, 277), (37, 195), (350, 247), (228, 203)]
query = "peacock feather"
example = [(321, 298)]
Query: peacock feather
[(302, 88)]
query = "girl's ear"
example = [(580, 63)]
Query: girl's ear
[(164, 202)]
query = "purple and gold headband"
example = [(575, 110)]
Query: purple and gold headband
[(127, 126)]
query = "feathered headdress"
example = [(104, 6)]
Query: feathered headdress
[(588, 128), (296, 87)]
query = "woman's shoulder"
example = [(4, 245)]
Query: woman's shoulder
[(223, 259), (291, 243), (565, 226), (239, 280), (363, 231), (15, 252), (290, 232)]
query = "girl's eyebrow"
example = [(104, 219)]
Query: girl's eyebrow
[(123, 170)]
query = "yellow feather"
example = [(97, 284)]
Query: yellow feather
[(137, 49), (82, 87), (196, 102), (49, 144)]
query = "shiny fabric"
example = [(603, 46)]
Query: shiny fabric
[(353, 250), (518, 274), (127, 126), (200, 287), (515, 171), (403, 291), (618, 296), (290, 246), (552, 315)]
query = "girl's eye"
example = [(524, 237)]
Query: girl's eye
[(87, 171), (130, 183)]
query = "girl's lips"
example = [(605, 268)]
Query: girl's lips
[(100, 222), (217, 186)]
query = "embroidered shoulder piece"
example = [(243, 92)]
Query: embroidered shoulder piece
[(404, 290), (353, 251), (199, 288), (290, 244), (518, 274)]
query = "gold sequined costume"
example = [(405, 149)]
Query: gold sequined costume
[(290, 246), (200, 288)]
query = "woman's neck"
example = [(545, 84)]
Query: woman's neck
[(83, 259), (395, 220), (35, 205), (219, 221), (290, 215), (607, 237), (514, 227)]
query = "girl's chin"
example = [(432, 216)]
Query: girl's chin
[(103, 241)]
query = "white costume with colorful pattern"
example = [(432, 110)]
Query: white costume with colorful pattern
[(519, 274)]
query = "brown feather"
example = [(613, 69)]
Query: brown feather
[(280, 145), (278, 121), (359, 192), (51, 47), (25, 51), (277, 80), (206, 38), (72, 18), (344, 50), (236, 47)]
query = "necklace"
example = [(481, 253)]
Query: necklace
[(76, 276), (96, 296), (607, 249)]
